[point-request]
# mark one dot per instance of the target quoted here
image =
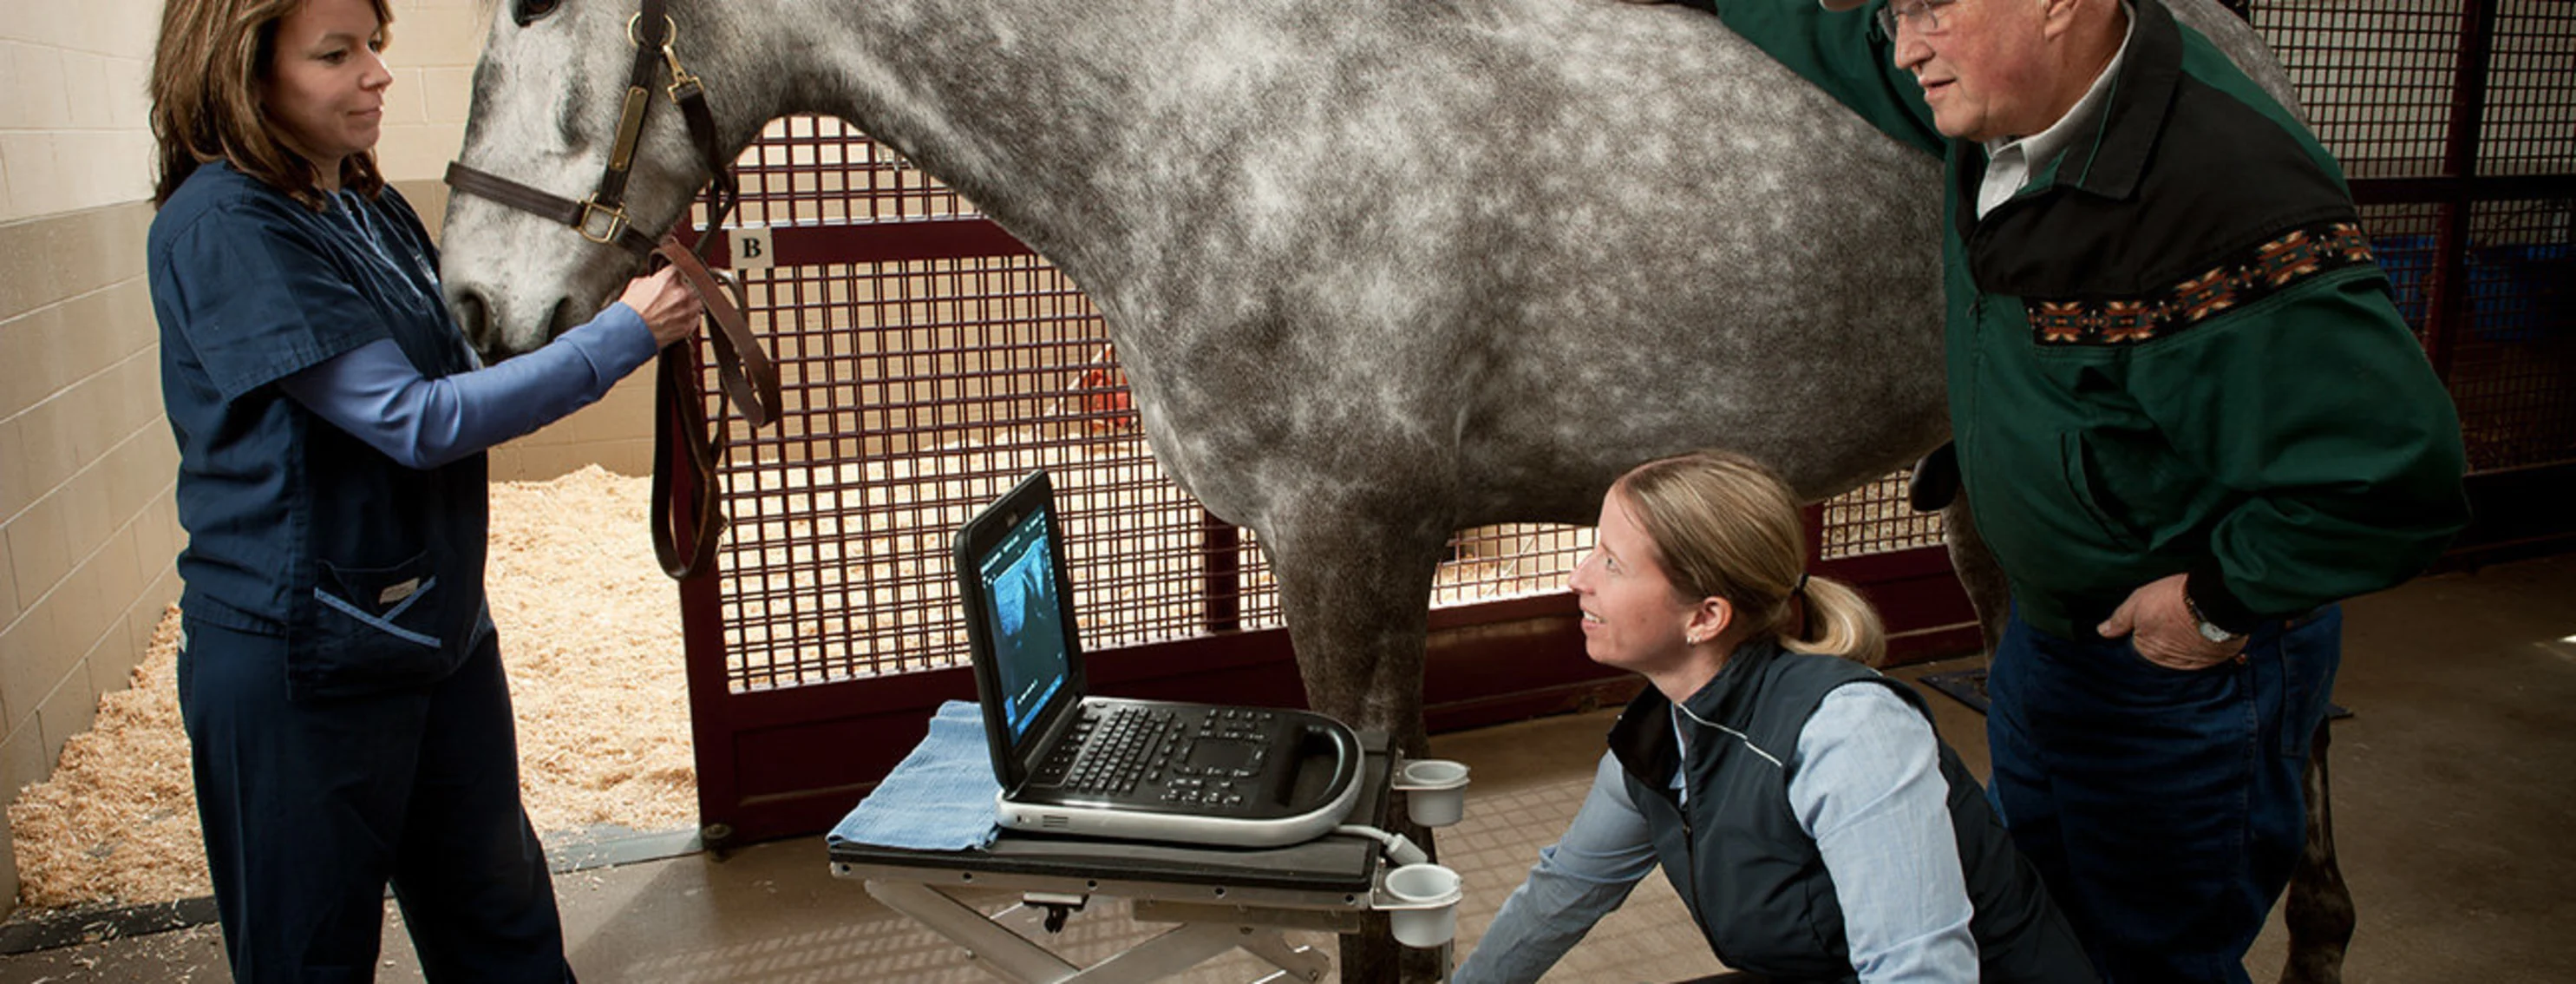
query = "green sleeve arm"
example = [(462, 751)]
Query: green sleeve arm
[(2317, 410), (1841, 53)]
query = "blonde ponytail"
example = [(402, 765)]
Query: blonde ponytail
[(1725, 527), (1839, 622)]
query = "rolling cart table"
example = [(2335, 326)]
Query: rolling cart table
[(1221, 899)]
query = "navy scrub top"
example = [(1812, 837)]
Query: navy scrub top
[(371, 571)]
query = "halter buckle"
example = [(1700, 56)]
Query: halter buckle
[(616, 221), (670, 30)]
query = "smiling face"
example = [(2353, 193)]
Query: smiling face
[(324, 87), (1633, 617)]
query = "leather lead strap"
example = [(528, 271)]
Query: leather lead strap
[(687, 524), (748, 374), (750, 386), (680, 429), (724, 191)]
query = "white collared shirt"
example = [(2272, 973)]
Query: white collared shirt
[(2008, 160)]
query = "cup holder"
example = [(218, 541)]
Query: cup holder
[(1435, 790), (1421, 903)]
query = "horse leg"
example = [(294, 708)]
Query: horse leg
[(1356, 595), (1989, 593), (2319, 909)]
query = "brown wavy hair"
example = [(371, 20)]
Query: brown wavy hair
[(208, 72), (1725, 527)]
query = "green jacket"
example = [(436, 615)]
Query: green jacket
[(2171, 351)]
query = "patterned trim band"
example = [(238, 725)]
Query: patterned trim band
[(2241, 280)]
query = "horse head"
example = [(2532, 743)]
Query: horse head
[(551, 96)]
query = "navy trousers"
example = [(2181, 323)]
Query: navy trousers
[(310, 809), (2162, 807)]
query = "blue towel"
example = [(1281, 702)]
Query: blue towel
[(940, 798)]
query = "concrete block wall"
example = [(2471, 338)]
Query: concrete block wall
[(87, 519)]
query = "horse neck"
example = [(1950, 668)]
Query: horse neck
[(1023, 107)]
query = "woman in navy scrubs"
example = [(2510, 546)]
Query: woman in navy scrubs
[(338, 672)]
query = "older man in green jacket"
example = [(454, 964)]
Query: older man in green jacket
[(2188, 418)]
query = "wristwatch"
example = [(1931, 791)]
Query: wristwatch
[(2208, 630)]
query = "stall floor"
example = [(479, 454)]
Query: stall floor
[(2454, 782)]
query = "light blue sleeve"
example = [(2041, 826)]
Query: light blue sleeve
[(1577, 880), (377, 395), (1867, 785)]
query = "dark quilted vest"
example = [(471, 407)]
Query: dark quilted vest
[(1754, 880)]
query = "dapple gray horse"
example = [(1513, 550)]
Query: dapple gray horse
[(1377, 269)]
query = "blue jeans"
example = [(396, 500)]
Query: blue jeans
[(2162, 807)]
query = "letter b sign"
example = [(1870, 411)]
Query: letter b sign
[(750, 247)]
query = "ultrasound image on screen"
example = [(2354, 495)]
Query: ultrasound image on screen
[(1028, 625)]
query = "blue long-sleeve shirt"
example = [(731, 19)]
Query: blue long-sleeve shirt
[(1866, 785), (377, 395)]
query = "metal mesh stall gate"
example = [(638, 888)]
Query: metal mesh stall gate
[(918, 389), (929, 360), (2456, 122)]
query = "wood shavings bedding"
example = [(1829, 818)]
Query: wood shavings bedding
[(590, 636), (590, 633)]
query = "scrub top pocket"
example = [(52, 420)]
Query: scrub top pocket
[(373, 630)]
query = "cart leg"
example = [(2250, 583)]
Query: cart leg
[(1302, 963), (1178, 949), (1005, 953)]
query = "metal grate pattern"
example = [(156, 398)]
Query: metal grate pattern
[(2529, 126), (1493, 562), (2375, 80), (918, 390), (2401, 237), (1876, 518), (2513, 370), (820, 169), (2381, 83)]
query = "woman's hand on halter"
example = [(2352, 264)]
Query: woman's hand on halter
[(669, 307)]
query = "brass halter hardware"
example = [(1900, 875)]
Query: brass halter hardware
[(601, 216), (683, 539), (609, 234)]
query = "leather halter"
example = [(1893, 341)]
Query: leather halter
[(684, 544)]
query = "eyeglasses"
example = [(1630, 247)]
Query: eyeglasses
[(1926, 15)]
